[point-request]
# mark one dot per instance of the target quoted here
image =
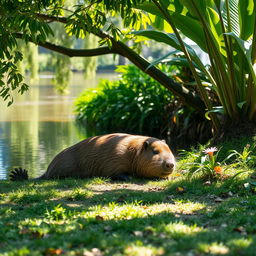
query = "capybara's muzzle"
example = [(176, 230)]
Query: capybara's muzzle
[(168, 166)]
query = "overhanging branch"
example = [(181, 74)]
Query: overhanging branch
[(186, 96), (72, 52)]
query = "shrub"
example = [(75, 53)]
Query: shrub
[(136, 103)]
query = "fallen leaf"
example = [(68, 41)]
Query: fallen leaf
[(224, 225), (99, 218), (207, 183), (162, 235), (36, 235), (240, 230), (24, 231), (93, 252), (230, 193), (180, 189), (107, 228), (247, 185), (218, 200), (52, 251), (138, 233)]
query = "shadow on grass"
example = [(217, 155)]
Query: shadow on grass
[(106, 192), (163, 230), (226, 226)]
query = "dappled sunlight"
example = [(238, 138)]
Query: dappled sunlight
[(240, 242), (131, 218), (213, 248), (137, 249), (179, 229)]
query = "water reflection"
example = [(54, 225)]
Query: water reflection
[(39, 125)]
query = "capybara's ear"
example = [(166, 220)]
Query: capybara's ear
[(164, 141), (145, 144)]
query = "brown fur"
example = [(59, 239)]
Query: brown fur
[(111, 155)]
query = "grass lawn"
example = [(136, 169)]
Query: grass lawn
[(94, 217)]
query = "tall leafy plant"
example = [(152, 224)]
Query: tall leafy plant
[(226, 30)]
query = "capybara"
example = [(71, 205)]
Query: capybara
[(111, 155)]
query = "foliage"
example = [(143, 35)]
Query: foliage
[(224, 29), (61, 63), (204, 162), (141, 105), (244, 159), (11, 79), (57, 213), (138, 102), (221, 29), (29, 62), (90, 64)]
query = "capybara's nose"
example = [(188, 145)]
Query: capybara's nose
[(169, 165)]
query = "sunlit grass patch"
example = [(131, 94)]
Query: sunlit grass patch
[(78, 194), (30, 195), (179, 229), (213, 249), (138, 249), (241, 243)]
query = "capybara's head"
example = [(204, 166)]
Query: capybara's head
[(155, 159)]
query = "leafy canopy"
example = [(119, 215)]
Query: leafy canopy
[(224, 29)]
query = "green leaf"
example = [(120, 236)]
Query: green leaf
[(169, 39), (246, 10), (218, 109), (234, 16), (151, 8), (241, 104), (189, 26), (172, 40), (195, 6), (244, 50)]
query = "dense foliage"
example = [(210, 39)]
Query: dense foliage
[(226, 31), (137, 103), (134, 103)]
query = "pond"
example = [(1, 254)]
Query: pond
[(40, 123)]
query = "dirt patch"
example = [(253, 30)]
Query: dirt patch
[(102, 188)]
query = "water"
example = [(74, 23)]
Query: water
[(40, 124)]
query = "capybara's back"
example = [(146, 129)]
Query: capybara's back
[(111, 155)]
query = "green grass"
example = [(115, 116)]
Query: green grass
[(139, 217)]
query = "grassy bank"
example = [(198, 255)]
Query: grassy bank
[(181, 216)]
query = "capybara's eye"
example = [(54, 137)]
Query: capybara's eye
[(155, 152)]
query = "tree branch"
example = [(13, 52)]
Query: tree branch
[(186, 96), (72, 52), (47, 17)]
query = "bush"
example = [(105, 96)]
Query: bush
[(136, 103)]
